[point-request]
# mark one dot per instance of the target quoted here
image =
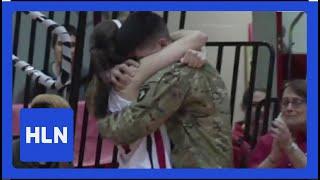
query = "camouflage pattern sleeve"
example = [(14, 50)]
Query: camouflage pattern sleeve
[(201, 130), (156, 102)]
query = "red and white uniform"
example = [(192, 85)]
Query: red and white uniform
[(152, 151)]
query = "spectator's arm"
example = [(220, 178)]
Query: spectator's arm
[(296, 156)]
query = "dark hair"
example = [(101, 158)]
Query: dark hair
[(70, 29), (142, 28), (103, 58), (102, 47), (97, 95), (298, 86), (111, 46), (245, 97)]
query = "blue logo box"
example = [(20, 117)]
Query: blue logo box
[(46, 135)]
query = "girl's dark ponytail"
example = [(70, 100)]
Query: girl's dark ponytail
[(103, 59)]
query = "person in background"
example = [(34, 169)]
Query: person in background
[(285, 145), (242, 146), (259, 95), (40, 101), (55, 66)]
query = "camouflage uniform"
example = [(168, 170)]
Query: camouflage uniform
[(193, 104)]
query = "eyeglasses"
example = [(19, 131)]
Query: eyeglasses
[(295, 102)]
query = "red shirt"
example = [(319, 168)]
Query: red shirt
[(264, 146), (238, 129), (241, 148)]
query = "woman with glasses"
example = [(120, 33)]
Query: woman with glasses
[(285, 144)]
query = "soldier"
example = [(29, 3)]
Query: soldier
[(152, 151), (192, 103)]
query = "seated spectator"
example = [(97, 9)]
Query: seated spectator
[(55, 65), (258, 96), (40, 101), (55, 68), (241, 151), (241, 146), (285, 145)]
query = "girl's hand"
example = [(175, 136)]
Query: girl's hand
[(121, 75), (194, 59)]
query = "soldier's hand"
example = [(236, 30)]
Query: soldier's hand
[(121, 75), (194, 59)]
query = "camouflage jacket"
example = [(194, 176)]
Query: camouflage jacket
[(193, 104)]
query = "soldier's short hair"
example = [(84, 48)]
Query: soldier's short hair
[(142, 28)]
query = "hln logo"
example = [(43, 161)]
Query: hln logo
[(57, 134), (46, 135)]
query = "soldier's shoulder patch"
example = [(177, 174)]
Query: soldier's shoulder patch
[(143, 92)]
